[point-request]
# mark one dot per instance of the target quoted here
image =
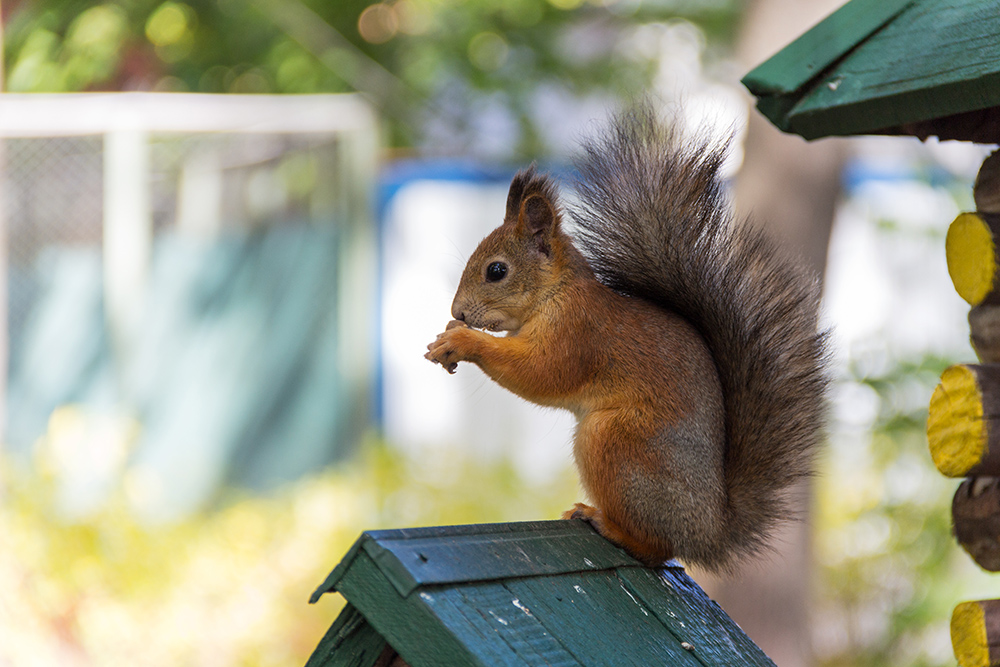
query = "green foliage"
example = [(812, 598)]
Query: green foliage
[(415, 58), (69, 55), (229, 586)]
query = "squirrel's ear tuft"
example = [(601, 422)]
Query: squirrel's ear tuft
[(538, 221), (532, 207), (528, 182), (516, 193)]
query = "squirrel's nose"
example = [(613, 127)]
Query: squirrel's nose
[(457, 311)]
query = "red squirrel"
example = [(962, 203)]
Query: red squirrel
[(683, 341)]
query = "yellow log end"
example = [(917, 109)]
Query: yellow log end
[(971, 255), (968, 635), (955, 427)]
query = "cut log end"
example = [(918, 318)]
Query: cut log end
[(971, 255), (955, 428), (968, 635), (974, 633)]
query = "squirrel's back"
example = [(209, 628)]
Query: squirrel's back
[(654, 223)]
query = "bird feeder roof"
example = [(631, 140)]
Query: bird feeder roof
[(535, 593), (918, 67)]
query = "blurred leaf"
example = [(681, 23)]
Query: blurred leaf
[(229, 586)]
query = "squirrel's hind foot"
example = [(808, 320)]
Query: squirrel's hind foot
[(582, 511), (650, 555)]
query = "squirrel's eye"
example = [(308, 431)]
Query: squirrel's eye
[(496, 272)]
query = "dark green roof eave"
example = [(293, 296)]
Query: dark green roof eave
[(919, 67), (806, 58), (891, 114)]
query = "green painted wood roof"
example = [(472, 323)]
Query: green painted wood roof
[(889, 67), (535, 593)]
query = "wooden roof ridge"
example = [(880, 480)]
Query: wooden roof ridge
[(411, 557)]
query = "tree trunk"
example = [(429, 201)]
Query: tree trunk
[(790, 187)]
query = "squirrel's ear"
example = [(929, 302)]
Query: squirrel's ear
[(515, 196), (537, 219)]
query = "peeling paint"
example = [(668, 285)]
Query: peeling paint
[(629, 593), (499, 620), (517, 603)]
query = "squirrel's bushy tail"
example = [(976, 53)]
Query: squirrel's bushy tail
[(654, 222)]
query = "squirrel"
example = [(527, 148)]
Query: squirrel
[(685, 344)]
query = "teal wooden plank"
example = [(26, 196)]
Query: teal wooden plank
[(822, 45), (692, 617), (350, 642), (933, 59), (451, 554), (512, 621), (469, 625), (595, 617), (485, 618), (424, 626), (407, 623)]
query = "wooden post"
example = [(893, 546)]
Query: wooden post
[(963, 421), (971, 249), (961, 414), (975, 633), (962, 428), (128, 232)]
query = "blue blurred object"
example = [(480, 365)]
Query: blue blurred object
[(234, 376)]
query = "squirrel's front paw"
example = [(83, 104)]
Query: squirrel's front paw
[(444, 350)]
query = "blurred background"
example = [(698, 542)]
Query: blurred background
[(230, 228)]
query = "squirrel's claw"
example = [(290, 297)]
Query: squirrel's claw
[(441, 351), (448, 366), (580, 511)]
